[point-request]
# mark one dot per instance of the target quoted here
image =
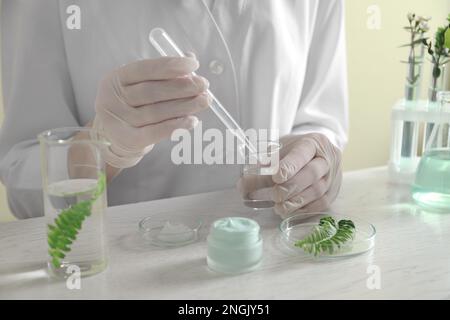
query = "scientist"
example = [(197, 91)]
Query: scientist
[(273, 64)]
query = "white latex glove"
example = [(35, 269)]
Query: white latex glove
[(308, 179), (142, 103)]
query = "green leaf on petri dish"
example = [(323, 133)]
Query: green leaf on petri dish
[(328, 236)]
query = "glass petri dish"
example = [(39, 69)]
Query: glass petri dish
[(297, 227), (161, 232)]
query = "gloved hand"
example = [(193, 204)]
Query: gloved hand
[(143, 102), (308, 179)]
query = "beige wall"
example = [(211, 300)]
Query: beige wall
[(376, 77)]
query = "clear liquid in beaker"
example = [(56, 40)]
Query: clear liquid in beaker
[(431, 189), (259, 204), (256, 180), (88, 250), (257, 174)]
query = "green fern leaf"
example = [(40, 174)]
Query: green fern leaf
[(328, 236), (68, 223)]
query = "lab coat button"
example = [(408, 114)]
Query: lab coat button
[(216, 67)]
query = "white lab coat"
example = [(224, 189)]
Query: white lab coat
[(284, 67)]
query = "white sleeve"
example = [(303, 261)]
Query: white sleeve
[(37, 96), (323, 104)]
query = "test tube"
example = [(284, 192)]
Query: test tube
[(166, 47)]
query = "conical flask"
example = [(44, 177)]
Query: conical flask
[(431, 189)]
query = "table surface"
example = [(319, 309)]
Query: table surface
[(411, 255)]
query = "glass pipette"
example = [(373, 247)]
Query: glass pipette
[(164, 44)]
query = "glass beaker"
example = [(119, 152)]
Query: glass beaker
[(431, 189), (257, 174), (74, 190)]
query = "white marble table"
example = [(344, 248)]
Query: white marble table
[(412, 253)]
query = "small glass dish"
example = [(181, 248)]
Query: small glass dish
[(297, 227), (161, 232)]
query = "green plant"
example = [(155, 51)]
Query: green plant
[(328, 236), (439, 53), (68, 223), (417, 28)]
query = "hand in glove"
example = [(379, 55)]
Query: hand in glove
[(142, 103), (308, 179)]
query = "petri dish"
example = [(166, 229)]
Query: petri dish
[(297, 227), (161, 232)]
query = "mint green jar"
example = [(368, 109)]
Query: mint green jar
[(234, 245)]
